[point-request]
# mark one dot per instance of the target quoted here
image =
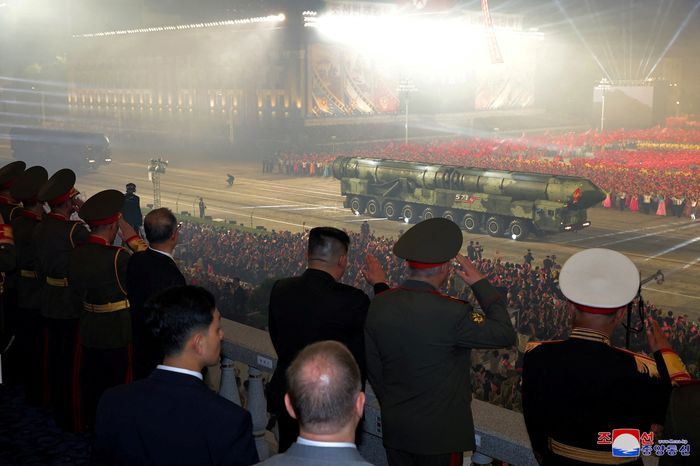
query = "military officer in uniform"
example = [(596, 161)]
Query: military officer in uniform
[(576, 389), (418, 344), (9, 316), (7, 262), (132, 207), (682, 423), (97, 277), (54, 237), (8, 175), (30, 332)]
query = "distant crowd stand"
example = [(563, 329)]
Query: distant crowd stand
[(653, 171), (213, 256)]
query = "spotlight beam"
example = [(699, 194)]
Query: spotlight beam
[(674, 38), (581, 38)]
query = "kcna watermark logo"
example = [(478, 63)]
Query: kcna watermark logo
[(631, 443)]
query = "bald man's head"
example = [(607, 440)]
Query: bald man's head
[(323, 385), (159, 225)]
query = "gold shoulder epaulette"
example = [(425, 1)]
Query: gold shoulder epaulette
[(676, 369), (534, 344), (6, 235), (645, 364), (136, 244)]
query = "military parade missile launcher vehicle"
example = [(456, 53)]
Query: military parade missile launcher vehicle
[(495, 201)]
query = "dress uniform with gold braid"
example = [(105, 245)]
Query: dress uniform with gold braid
[(9, 316), (418, 348), (97, 276), (30, 332), (54, 238), (576, 388)]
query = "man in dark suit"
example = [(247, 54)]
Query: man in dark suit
[(419, 344), (148, 273), (132, 207), (172, 418), (325, 395), (315, 307)]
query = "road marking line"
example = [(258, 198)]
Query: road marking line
[(623, 232), (670, 292), (632, 238), (673, 248)]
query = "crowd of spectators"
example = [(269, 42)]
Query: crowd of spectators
[(212, 256), (643, 168)]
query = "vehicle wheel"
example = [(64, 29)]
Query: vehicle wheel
[(357, 205), (470, 222), (373, 207), (518, 230), (449, 215), (428, 213), (390, 211), (494, 226), (408, 214)]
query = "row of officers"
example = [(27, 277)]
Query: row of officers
[(67, 325)]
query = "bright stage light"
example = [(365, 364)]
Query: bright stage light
[(424, 43)]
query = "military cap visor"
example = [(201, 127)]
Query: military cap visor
[(59, 188), (10, 172), (103, 208), (27, 186), (430, 243), (599, 281)]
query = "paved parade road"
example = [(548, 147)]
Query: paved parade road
[(283, 203)]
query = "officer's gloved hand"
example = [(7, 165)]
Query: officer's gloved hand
[(655, 337), (467, 271), (373, 271)]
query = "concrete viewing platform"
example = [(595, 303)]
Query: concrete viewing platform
[(500, 433)]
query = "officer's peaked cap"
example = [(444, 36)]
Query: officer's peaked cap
[(432, 241), (599, 280)]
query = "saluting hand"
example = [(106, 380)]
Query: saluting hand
[(126, 231), (373, 271), (655, 337), (468, 271)]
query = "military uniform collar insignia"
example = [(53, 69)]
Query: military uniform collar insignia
[(581, 333)]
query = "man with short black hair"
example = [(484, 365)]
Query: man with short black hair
[(172, 417), (148, 273), (315, 307), (325, 395)]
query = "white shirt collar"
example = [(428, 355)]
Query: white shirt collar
[(180, 370), (161, 252), (314, 443)]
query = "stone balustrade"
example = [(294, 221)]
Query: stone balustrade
[(500, 433)]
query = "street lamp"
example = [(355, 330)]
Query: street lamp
[(603, 86), (156, 167), (405, 88)]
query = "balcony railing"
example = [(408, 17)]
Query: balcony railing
[(500, 433)]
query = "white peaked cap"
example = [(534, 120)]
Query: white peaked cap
[(599, 278)]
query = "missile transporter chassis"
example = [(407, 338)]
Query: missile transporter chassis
[(492, 201)]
